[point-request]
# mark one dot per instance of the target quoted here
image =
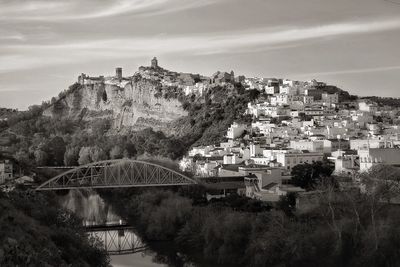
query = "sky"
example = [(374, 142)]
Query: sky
[(46, 44)]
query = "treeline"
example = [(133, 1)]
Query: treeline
[(385, 101), (48, 142), (339, 229), (37, 232)]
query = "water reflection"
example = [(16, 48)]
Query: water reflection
[(88, 205), (117, 239), (100, 221), (120, 240)]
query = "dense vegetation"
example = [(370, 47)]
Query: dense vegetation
[(385, 101), (35, 231), (308, 176), (210, 120), (339, 229)]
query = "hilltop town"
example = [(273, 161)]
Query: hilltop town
[(292, 123), (273, 162), (288, 123)]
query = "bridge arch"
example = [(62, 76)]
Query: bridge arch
[(117, 173)]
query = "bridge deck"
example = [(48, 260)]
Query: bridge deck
[(104, 227)]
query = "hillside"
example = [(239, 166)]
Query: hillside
[(151, 112)]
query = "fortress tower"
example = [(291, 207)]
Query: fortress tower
[(154, 63), (118, 73)]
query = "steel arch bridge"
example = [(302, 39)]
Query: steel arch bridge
[(117, 173)]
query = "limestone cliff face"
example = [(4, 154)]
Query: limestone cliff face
[(130, 104)]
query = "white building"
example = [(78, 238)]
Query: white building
[(308, 100), (370, 157), (269, 185), (232, 159), (330, 99), (207, 169), (197, 89), (187, 164), (236, 130), (285, 99), (357, 144), (287, 90), (264, 109), (201, 150), (271, 90), (264, 127), (345, 164), (367, 106), (310, 145), (288, 82), (293, 158)]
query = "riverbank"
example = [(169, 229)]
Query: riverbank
[(336, 232)]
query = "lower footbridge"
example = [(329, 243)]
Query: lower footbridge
[(116, 174), (117, 239)]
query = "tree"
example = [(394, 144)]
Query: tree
[(71, 156), (287, 203), (55, 148), (84, 156), (97, 154), (41, 157), (130, 150), (91, 154), (307, 176), (99, 127), (116, 152), (22, 157)]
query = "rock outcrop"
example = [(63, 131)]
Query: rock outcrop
[(131, 103)]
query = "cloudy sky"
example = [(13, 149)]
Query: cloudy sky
[(45, 44)]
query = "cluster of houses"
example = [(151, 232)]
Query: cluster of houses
[(296, 123)]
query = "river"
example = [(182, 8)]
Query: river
[(95, 211)]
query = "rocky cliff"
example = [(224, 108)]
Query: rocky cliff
[(131, 103)]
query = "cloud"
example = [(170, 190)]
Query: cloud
[(16, 37), (350, 71), (283, 37), (16, 62), (46, 10), (11, 35)]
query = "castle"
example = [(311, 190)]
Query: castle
[(86, 79)]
